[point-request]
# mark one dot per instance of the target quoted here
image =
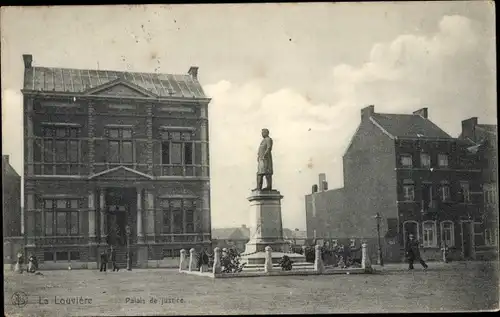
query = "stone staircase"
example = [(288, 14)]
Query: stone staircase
[(121, 258), (299, 266)]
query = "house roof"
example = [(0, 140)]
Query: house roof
[(408, 125), (50, 79), (230, 233)]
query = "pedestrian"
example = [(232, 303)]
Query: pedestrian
[(413, 252), (104, 261), (113, 259)]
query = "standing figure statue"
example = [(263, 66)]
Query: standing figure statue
[(265, 161)]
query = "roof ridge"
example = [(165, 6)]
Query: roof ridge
[(109, 70)]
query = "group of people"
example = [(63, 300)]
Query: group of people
[(105, 259)]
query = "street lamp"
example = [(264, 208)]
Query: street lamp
[(380, 260), (129, 258)]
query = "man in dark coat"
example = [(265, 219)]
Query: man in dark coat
[(113, 259), (413, 252), (104, 261)]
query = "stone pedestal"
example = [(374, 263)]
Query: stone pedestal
[(266, 229)]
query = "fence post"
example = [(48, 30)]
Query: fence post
[(182, 263), (268, 265), (217, 264), (318, 261), (365, 260), (191, 260)]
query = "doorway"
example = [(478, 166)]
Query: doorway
[(120, 209), (467, 236)]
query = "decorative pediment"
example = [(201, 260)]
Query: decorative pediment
[(121, 173), (120, 88)]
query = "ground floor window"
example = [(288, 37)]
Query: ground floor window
[(61, 256), (447, 233), (61, 217), (429, 234), (178, 215)]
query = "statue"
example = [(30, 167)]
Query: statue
[(265, 161)]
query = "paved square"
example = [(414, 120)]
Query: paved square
[(445, 287)]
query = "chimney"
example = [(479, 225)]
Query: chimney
[(469, 128), (367, 112), (243, 226), (6, 158), (421, 112), (193, 71), (325, 185), (322, 179), (314, 188), (28, 59)]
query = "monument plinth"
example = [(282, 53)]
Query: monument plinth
[(266, 229)]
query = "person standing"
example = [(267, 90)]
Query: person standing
[(113, 259), (104, 261), (413, 253)]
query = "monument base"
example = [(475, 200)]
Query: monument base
[(259, 258)]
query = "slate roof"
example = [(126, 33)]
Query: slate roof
[(80, 80), (409, 125)]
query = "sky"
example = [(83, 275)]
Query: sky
[(303, 71)]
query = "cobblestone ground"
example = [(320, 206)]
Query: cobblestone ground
[(445, 287)]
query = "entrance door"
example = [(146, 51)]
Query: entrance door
[(117, 222), (467, 240)]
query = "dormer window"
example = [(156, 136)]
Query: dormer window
[(406, 160)]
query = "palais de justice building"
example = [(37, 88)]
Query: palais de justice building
[(112, 153)]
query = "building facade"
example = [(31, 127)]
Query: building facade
[(416, 177), (483, 141), (114, 157), (11, 193)]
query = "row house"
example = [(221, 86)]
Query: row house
[(113, 158), (482, 141), (416, 177), (11, 213)]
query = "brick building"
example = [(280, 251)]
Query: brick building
[(110, 154), (11, 213), (416, 176), (482, 140), (11, 193)]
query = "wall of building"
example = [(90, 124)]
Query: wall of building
[(11, 199), (369, 182), (322, 210)]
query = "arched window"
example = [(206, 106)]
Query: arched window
[(410, 227), (429, 238), (447, 233)]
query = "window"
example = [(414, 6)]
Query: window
[(465, 192), (177, 148), (427, 195), (62, 256), (429, 234), (425, 160), (61, 217), (444, 192), (120, 145), (447, 234), (352, 243), (490, 236), (406, 160), (443, 160), (178, 215), (48, 256), (409, 191), (60, 151), (74, 256)]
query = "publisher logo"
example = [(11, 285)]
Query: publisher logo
[(19, 299)]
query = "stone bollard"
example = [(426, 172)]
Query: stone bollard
[(318, 261), (192, 259), (365, 260), (183, 261), (217, 265), (268, 264)]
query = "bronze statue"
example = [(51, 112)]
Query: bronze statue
[(265, 161)]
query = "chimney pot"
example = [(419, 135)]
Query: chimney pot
[(367, 112), (322, 179), (193, 71), (422, 112), (325, 185), (469, 128), (28, 59), (314, 188)]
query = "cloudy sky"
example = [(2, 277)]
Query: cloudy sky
[(302, 70)]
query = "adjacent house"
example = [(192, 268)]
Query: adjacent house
[(11, 212), (411, 173), (483, 141), (113, 157)]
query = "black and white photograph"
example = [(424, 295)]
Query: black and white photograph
[(265, 158)]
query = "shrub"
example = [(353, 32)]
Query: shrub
[(285, 263), (230, 262)]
